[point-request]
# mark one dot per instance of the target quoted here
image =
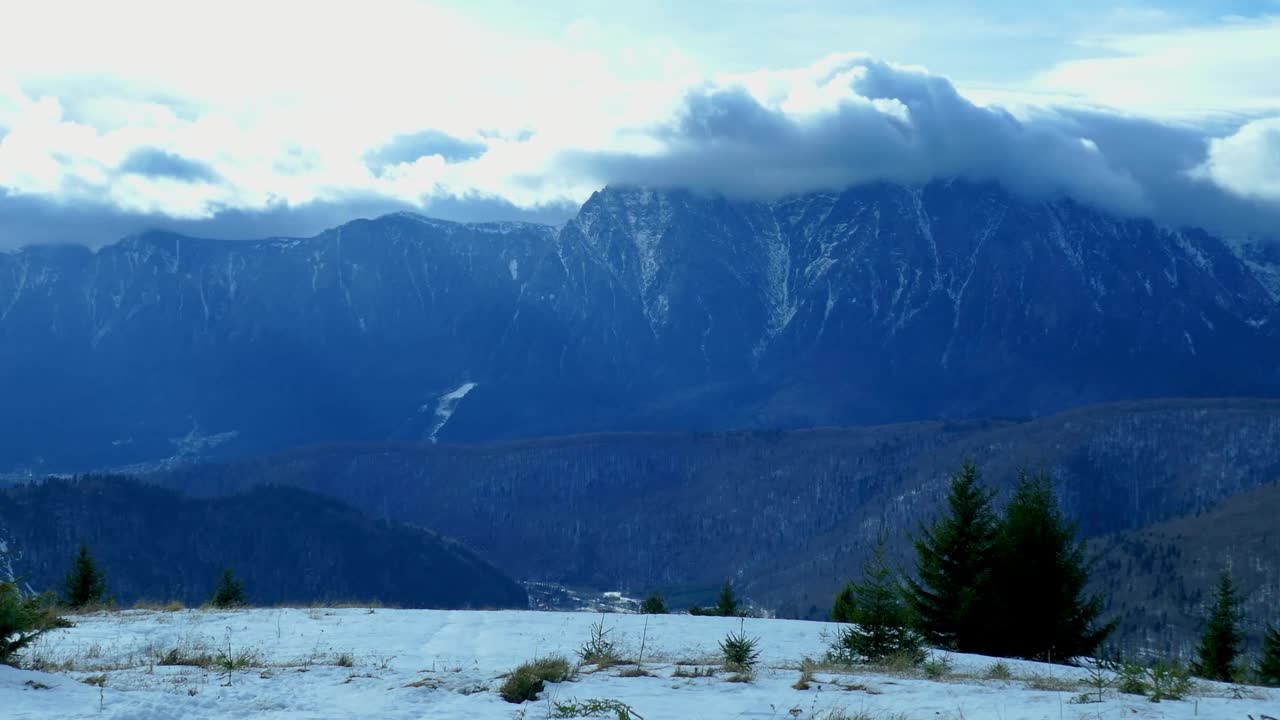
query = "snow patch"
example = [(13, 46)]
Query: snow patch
[(8, 554), (196, 443), (781, 305), (6, 563), (513, 267), (1253, 254), (445, 406), (1192, 251)]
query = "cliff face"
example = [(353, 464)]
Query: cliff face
[(650, 310)]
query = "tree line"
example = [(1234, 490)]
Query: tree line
[(1009, 583), (26, 616)]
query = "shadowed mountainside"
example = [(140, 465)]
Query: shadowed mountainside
[(1161, 578), (651, 310), (789, 514), (288, 546)]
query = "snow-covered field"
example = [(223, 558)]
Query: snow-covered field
[(438, 664)]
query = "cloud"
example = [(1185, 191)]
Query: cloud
[(1248, 161), (408, 148), (618, 97), (1221, 69), (38, 220), (480, 207), (156, 163), (852, 119), (1169, 162)]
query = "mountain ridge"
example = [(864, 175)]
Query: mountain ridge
[(652, 309)]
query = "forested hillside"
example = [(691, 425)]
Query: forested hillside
[(1161, 578), (789, 514), (288, 546)]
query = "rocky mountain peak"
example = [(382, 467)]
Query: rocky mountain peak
[(650, 309)]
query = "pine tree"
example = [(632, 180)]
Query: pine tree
[(1220, 643), (727, 603), (1038, 581), (953, 560), (842, 608), (879, 615), (229, 593), (1269, 667), (85, 584), (655, 604), (23, 619)]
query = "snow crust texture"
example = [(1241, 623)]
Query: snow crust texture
[(448, 664)]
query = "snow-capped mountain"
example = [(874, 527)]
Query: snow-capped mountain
[(649, 309)]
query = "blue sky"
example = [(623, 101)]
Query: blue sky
[(244, 118), (999, 41)]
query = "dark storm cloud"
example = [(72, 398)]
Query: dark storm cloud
[(407, 148), (908, 126), (33, 220), (156, 163)]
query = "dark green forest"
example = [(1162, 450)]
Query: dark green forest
[(791, 513), (286, 545)]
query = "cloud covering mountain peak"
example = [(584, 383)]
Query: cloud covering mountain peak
[(854, 119), (444, 127)]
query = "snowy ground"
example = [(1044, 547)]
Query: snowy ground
[(437, 664)]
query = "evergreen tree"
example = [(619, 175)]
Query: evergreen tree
[(1220, 643), (655, 604), (842, 608), (879, 615), (85, 584), (1038, 582), (727, 603), (23, 619), (229, 592), (950, 600), (1269, 667)]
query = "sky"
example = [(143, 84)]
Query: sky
[(258, 118)]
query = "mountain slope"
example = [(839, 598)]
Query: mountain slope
[(789, 514), (1163, 576), (650, 310), (165, 346), (287, 545), (891, 303)]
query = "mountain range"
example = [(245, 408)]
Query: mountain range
[(650, 310)]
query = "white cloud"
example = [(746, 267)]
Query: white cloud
[(1247, 162), (282, 100), (272, 105), (1228, 68)]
